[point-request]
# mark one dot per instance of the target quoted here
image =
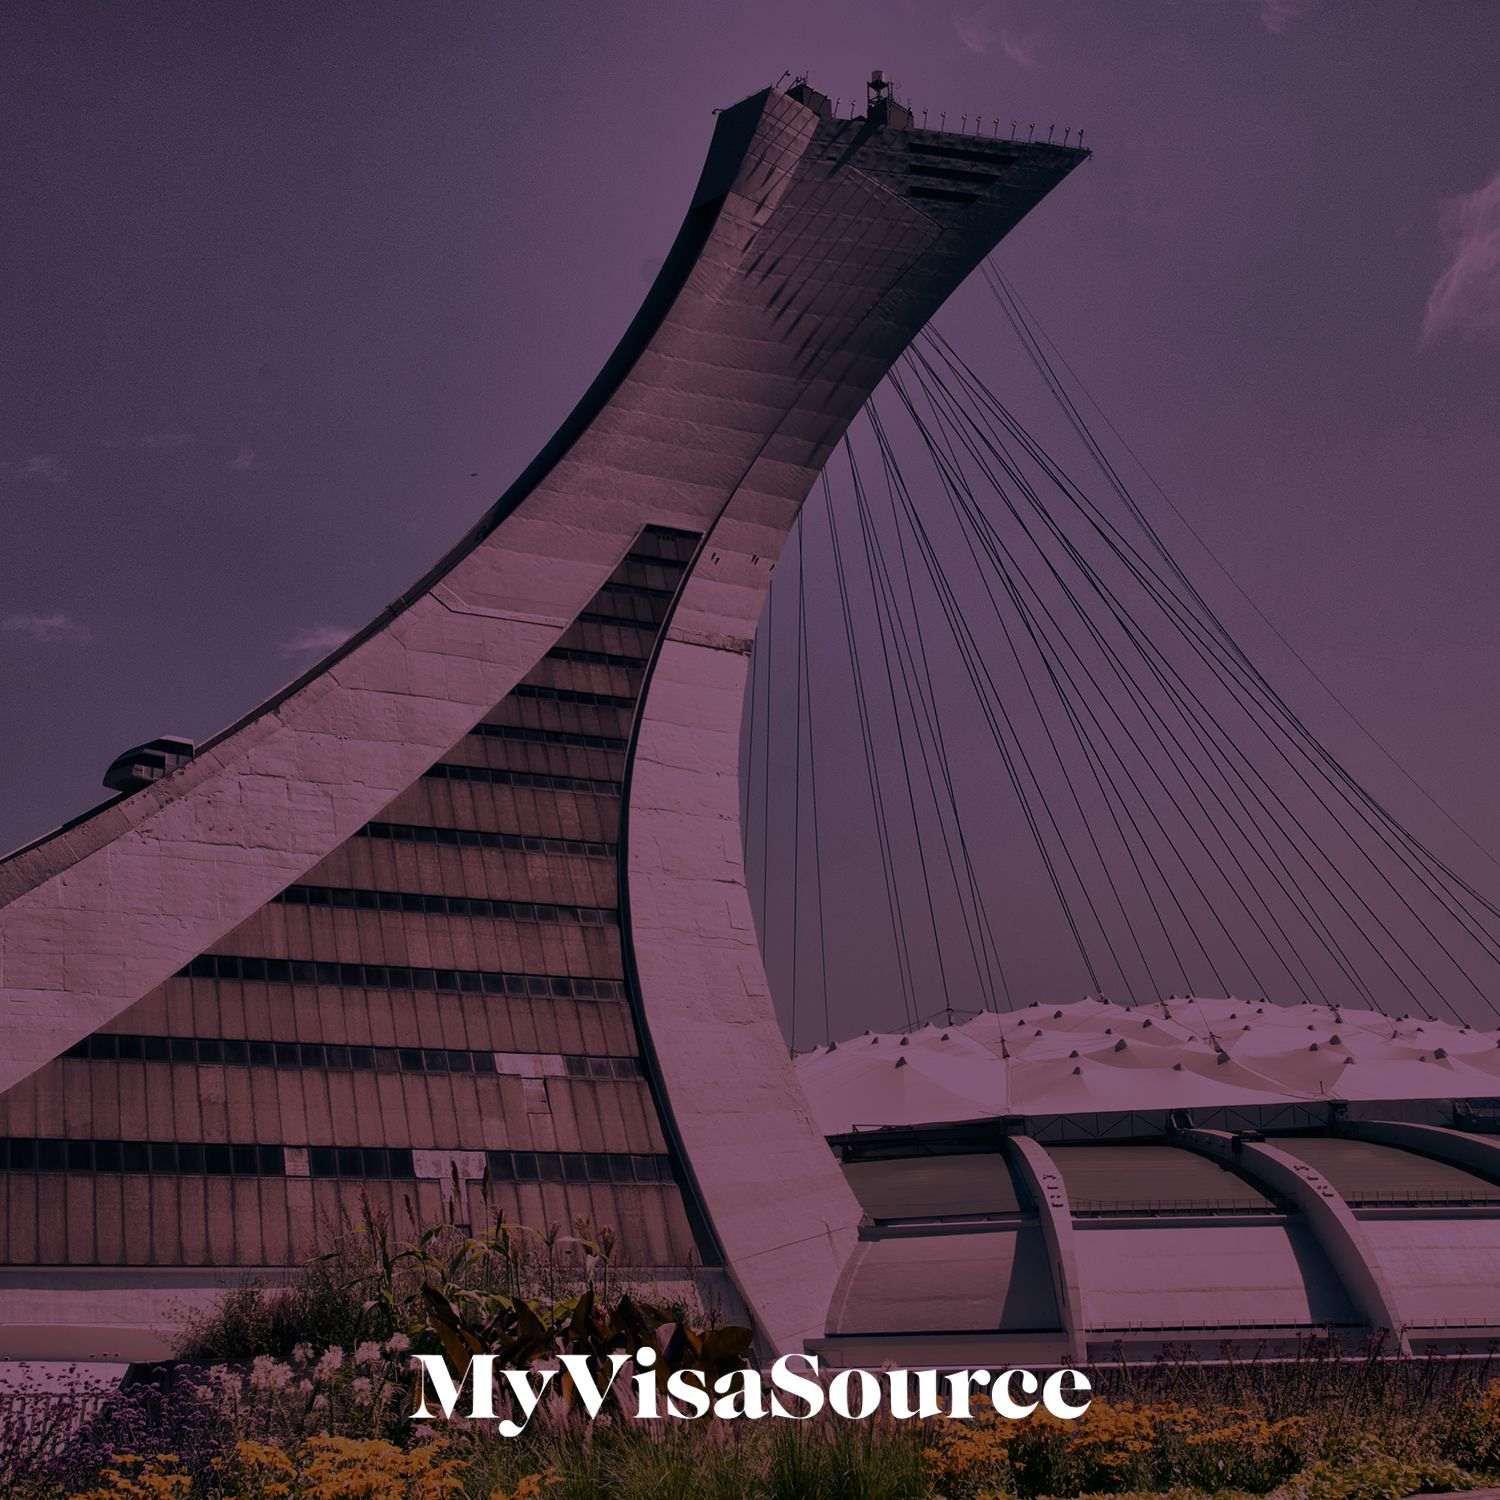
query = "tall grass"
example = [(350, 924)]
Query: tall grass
[(368, 1284)]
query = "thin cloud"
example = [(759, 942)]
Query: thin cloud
[(48, 629), (244, 459), (45, 468), (975, 32), (1466, 297), (318, 638), (1021, 50)]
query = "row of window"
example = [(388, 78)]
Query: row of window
[(477, 838), (445, 906), (219, 1159), (240, 1052), (359, 1161), (654, 560), (398, 977), (598, 658), (941, 195), (586, 1065), (599, 617), (105, 1046), (179, 1158), (636, 590), (952, 174), (447, 771), (998, 157), (571, 695), (577, 1166), (550, 736)]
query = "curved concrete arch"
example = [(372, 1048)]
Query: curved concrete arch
[(1045, 1183), (1333, 1223), (1476, 1152), (783, 1214)]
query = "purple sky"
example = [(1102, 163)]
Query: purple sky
[(296, 290)]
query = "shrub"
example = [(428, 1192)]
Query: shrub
[(1118, 1447), (341, 1468), (126, 1432), (823, 1458), (1471, 1435), (504, 1289), (317, 1308), (1378, 1476)]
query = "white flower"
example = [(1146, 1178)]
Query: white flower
[(267, 1374), (320, 1403), (367, 1354), (305, 1387), (301, 1354), (330, 1364), (227, 1387), (398, 1343), (360, 1387)]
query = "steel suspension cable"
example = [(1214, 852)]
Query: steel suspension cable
[(812, 775), (1275, 711), (1289, 725), (1155, 662), (915, 668), (1000, 556), (1041, 336), (872, 774), (1143, 702), (801, 639), (1073, 793), (988, 706), (896, 485), (1234, 680), (861, 510)]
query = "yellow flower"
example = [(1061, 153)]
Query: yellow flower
[(530, 1486), (136, 1478), (266, 1472), (263, 1456), (339, 1468)]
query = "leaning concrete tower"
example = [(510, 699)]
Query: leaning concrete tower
[(466, 901)]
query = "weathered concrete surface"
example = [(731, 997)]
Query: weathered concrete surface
[(775, 1195)]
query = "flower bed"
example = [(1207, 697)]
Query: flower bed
[(305, 1394)]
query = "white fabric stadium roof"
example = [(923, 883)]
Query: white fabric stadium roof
[(1095, 1055)]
